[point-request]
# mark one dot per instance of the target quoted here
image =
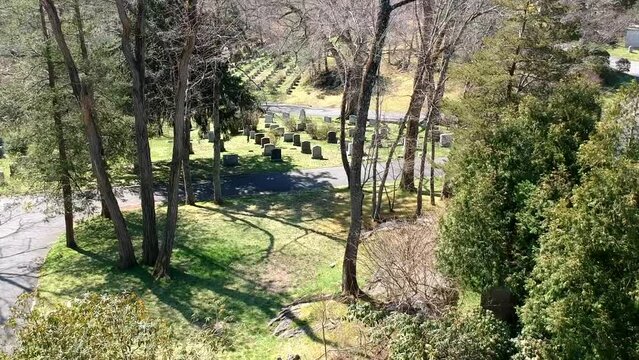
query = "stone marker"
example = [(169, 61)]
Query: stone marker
[(268, 148), (331, 137), (222, 148), (306, 147), (265, 141), (276, 155), (383, 133), (1, 178), (258, 138), (317, 153), (252, 134), (268, 118), (351, 132), (286, 116), (302, 116), (297, 140), (280, 131), (230, 160), (288, 137), (267, 125), (327, 119), (352, 120), (1, 152), (349, 149), (446, 140), (211, 136), (301, 126)]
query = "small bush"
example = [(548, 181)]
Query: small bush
[(94, 327), (319, 132), (623, 65), (273, 137), (456, 336), (290, 125)]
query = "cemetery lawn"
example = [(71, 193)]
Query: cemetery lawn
[(622, 52), (251, 159), (240, 263)]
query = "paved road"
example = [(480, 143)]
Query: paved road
[(332, 112), (634, 66), (27, 232)]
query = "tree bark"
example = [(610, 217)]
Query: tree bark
[(349, 270), (65, 176), (136, 63), (166, 251), (82, 92), (418, 97), (342, 127), (217, 142)]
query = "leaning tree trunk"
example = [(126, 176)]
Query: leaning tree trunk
[(349, 270), (82, 92), (136, 63), (217, 141), (418, 97), (65, 176), (166, 251), (342, 125)]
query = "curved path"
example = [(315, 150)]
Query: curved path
[(27, 231)]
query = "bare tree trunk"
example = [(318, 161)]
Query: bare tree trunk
[(136, 63), (166, 251), (432, 161), (420, 86), (349, 270), (217, 148), (186, 164), (82, 92), (65, 177), (422, 167), (342, 127)]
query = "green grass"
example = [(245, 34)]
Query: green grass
[(622, 52), (251, 158), (251, 257)]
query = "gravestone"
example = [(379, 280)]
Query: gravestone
[(252, 134), (211, 136), (230, 160), (383, 133), (222, 147), (1, 152), (258, 138), (265, 141), (352, 120), (372, 122), (268, 148), (351, 132), (286, 116), (302, 116), (501, 302), (349, 149), (268, 118), (327, 119), (276, 155), (279, 131), (288, 137), (1, 178), (306, 147), (331, 137), (446, 140), (267, 125), (297, 140), (301, 127), (317, 153)]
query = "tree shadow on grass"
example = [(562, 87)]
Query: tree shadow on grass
[(206, 266)]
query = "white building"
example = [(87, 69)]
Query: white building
[(632, 37)]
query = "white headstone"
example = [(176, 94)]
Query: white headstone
[(327, 119)]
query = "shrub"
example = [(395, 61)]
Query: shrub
[(273, 136), (290, 125), (93, 327), (623, 65), (474, 335), (319, 132)]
